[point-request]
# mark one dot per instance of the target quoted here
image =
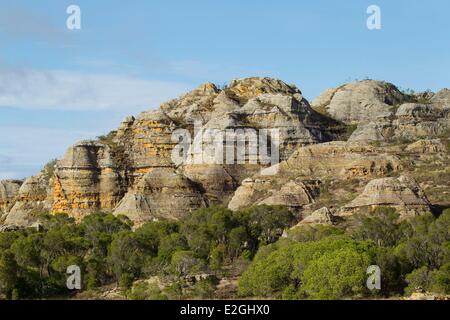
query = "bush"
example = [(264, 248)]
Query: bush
[(418, 281), (337, 274), (278, 267), (440, 280), (145, 291), (381, 226), (204, 289), (318, 232)]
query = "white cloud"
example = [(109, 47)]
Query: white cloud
[(69, 90)]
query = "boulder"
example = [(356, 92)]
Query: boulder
[(360, 101), (402, 193), (320, 216), (441, 99)]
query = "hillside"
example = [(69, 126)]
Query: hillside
[(358, 148)]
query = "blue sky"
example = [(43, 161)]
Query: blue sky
[(59, 86)]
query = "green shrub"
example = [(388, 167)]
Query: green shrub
[(337, 274)]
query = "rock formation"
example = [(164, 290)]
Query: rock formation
[(8, 192), (33, 198), (161, 193), (95, 176), (149, 167), (410, 122), (402, 193), (296, 181), (320, 216), (86, 180), (360, 101)]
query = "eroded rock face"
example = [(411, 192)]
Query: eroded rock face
[(427, 146), (8, 192), (161, 193), (86, 180), (293, 193), (402, 193), (95, 176), (320, 216), (412, 121), (132, 171), (345, 159), (296, 181), (441, 99), (360, 101), (34, 198)]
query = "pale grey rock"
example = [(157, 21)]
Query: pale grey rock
[(380, 130), (412, 121), (441, 99), (161, 193), (403, 194), (360, 101), (427, 147), (320, 216), (34, 198)]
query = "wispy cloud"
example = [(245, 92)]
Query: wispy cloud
[(69, 90)]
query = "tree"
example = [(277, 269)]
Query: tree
[(186, 263), (9, 280), (125, 256), (170, 244), (336, 275), (145, 291), (381, 226), (217, 257), (266, 223), (440, 280), (418, 281), (391, 271), (238, 240), (317, 232)]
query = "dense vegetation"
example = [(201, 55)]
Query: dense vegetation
[(315, 262)]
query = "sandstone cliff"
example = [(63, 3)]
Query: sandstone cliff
[(131, 171)]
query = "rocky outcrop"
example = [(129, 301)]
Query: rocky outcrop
[(95, 176), (383, 113), (402, 193), (296, 181), (86, 180), (167, 162), (441, 99), (412, 121), (8, 192), (427, 147), (257, 191), (320, 216), (161, 193), (360, 101), (33, 199)]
